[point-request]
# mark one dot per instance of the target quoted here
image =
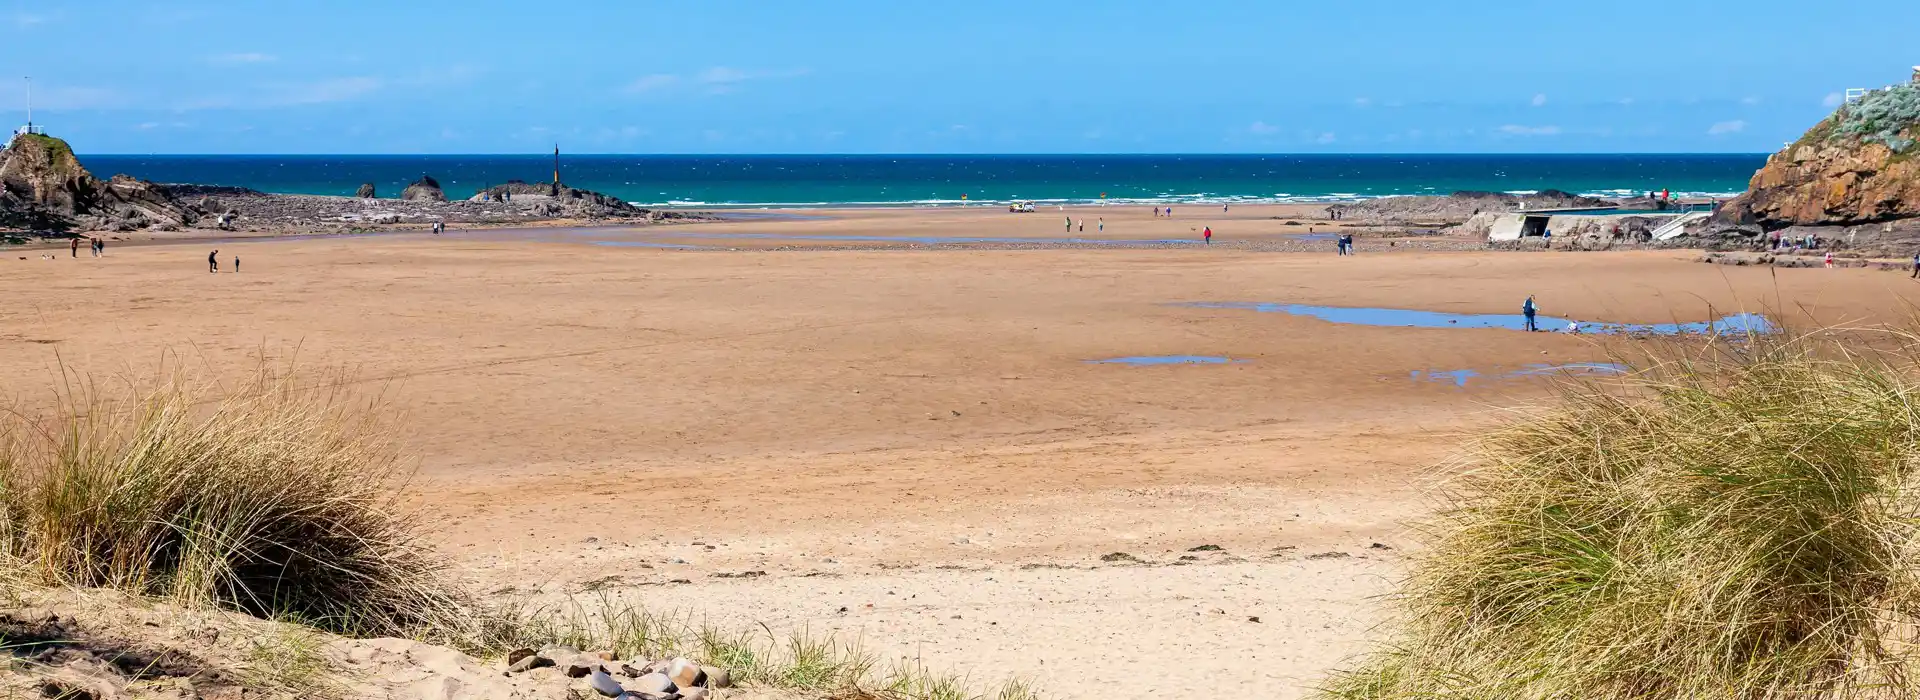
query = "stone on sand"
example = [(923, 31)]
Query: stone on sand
[(654, 684), (684, 673), (717, 677)]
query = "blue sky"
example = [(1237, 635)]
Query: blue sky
[(896, 76)]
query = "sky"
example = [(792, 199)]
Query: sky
[(903, 76)]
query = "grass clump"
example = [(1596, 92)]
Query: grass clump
[(1888, 117), (800, 660), (270, 499), (1736, 522)]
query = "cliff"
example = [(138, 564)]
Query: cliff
[(1859, 166), (44, 187), (1457, 207)]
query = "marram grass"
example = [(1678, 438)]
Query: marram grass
[(268, 498), (1735, 522)]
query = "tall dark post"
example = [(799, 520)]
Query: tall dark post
[(556, 170)]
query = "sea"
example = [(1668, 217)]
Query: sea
[(807, 181)]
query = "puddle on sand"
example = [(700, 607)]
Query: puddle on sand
[(1409, 318), (930, 240), (651, 244), (1146, 360), (1459, 377)]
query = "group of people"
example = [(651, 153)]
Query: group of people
[(1346, 243), (1169, 212), (213, 261), (97, 246), (1100, 225)]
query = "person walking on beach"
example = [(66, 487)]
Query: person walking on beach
[(1829, 259), (1101, 225), (213, 261), (1528, 309), (76, 247), (1916, 266), (1206, 235), (1156, 212), (236, 264), (1069, 224), (1083, 225), (101, 243)]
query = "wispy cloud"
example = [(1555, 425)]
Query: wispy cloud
[(24, 20), (1263, 129), (1326, 138), (1749, 101), (1540, 100), (1519, 130), (714, 80), (1728, 127), (324, 91), (244, 58), (1834, 99), (650, 83), (1363, 102)]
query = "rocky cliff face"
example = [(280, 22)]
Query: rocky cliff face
[(1459, 206), (560, 201), (44, 187), (1860, 166)]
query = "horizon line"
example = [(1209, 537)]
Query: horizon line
[(876, 154)]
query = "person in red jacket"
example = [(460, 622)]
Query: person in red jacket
[(1207, 235)]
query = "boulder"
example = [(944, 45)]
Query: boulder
[(425, 189), (366, 191), (717, 677)]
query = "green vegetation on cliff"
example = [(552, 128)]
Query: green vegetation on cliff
[(59, 156), (1887, 117)]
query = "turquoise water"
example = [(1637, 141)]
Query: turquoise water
[(930, 180)]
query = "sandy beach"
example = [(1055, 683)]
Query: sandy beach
[(873, 423)]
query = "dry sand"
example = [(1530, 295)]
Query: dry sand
[(909, 444)]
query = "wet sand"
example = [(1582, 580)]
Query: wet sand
[(915, 429)]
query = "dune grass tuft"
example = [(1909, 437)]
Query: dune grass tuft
[(822, 664), (1737, 521), (268, 498)]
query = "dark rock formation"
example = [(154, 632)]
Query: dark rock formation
[(1457, 207), (1858, 168), (425, 189), (365, 191), (44, 187), (559, 200)]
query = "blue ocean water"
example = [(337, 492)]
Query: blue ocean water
[(928, 180)]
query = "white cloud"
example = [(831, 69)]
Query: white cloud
[(1518, 130), (718, 80), (1729, 127), (24, 20), (1627, 101), (1834, 99), (1263, 129), (721, 75), (1363, 102), (234, 59), (650, 83), (1749, 101), (1327, 137), (1540, 100), (268, 96)]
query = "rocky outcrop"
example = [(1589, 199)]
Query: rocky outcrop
[(425, 189), (1859, 167), (366, 191), (44, 187), (1458, 207), (559, 201)]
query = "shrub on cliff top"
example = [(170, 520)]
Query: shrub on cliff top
[(1730, 526), (1889, 117), (273, 499)]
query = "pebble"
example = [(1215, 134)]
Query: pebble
[(514, 657), (693, 694), (528, 663), (654, 684), (579, 665), (604, 684), (717, 677), (684, 673)]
